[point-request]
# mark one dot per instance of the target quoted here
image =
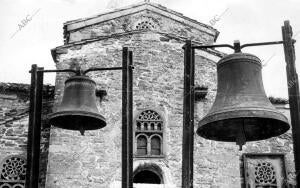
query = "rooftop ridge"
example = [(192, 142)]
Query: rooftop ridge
[(145, 5), (104, 13)]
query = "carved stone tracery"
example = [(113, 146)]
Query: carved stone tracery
[(13, 172), (145, 23), (265, 174), (149, 134)]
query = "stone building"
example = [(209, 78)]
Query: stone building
[(14, 109), (156, 35)]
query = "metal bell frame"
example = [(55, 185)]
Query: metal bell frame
[(34, 126), (188, 101)]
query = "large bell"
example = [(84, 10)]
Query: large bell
[(241, 111), (78, 110)]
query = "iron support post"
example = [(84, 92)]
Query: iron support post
[(188, 117), (127, 181), (34, 128), (293, 91), (124, 118), (130, 122)]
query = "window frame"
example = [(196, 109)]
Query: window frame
[(147, 140), (161, 144), (248, 156), (20, 182), (149, 133)]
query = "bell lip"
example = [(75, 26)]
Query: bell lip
[(207, 122), (238, 56), (246, 113), (55, 115), (284, 125)]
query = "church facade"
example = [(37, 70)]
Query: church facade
[(156, 36)]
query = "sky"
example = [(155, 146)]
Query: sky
[(31, 28)]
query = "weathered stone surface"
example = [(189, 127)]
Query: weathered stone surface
[(14, 108), (94, 160), (137, 17), (157, 85)]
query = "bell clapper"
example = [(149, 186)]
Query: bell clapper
[(81, 130), (240, 137)]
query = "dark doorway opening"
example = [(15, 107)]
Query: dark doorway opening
[(147, 176)]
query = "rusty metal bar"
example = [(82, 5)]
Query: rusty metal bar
[(293, 91), (213, 46), (124, 118), (103, 69), (84, 72), (34, 128), (63, 70), (187, 177), (192, 103), (261, 44), (130, 121), (237, 47)]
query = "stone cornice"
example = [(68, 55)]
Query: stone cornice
[(18, 90), (63, 49)]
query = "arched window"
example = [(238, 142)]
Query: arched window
[(149, 134), (147, 177), (148, 173), (145, 23), (155, 145), (142, 145), (13, 172)]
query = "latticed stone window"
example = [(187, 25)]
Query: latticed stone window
[(13, 172), (149, 134), (265, 175), (145, 24), (265, 171)]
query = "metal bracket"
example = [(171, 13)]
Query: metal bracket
[(84, 72), (237, 46)]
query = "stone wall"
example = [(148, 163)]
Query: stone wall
[(157, 85), (14, 108), (94, 160), (13, 129)]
